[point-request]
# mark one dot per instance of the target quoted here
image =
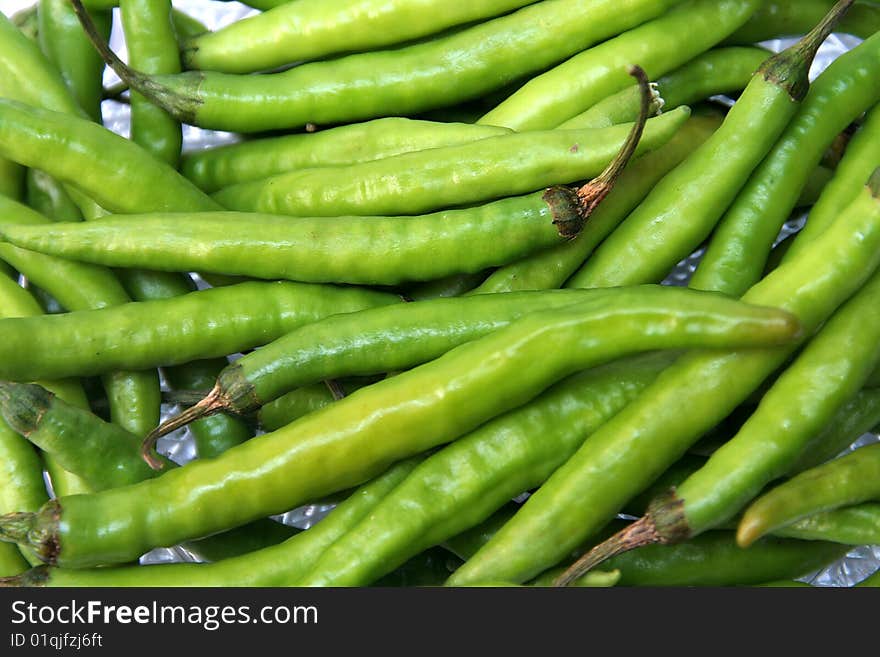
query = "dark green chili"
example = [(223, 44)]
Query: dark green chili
[(357, 437), (779, 19)]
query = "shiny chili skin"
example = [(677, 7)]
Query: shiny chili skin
[(317, 250), (858, 416), (421, 181), (660, 45), (842, 482), (133, 395), (66, 45), (371, 341), (11, 179), (152, 48), (717, 71), (223, 166), (278, 565), (651, 433), (551, 267), (316, 29), (681, 210), (462, 484), (203, 324), (779, 19), (98, 161), (103, 454), (357, 437), (859, 160), (742, 240), (402, 81), (828, 372)]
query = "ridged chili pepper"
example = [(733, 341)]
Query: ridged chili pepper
[(681, 210), (66, 45), (565, 91), (278, 565), (357, 437), (742, 240), (401, 81), (361, 344), (829, 370), (133, 395), (203, 324), (316, 29), (551, 267), (650, 434), (103, 454), (718, 71), (214, 168), (845, 481)]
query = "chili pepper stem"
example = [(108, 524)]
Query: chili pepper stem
[(590, 195), (180, 107), (214, 402), (785, 68), (664, 523)]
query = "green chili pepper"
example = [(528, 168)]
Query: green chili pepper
[(67, 47), (852, 525), (315, 29), (279, 565), (203, 324), (214, 168), (421, 181), (103, 454), (829, 371), (133, 395), (550, 268), (357, 437), (845, 481), (47, 196), (651, 433), (682, 209), (465, 482), (738, 250), (549, 99), (302, 401), (152, 48), (98, 161), (401, 81), (718, 71), (361, 344), (859, 160), (778, 19)]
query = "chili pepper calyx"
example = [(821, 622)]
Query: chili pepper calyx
[(23, 405), (181, 107), (789, 69)]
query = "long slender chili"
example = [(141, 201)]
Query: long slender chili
[(769, 443), (652, 433), (681, 211)]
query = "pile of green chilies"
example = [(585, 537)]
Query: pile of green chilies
[(429, 284)]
